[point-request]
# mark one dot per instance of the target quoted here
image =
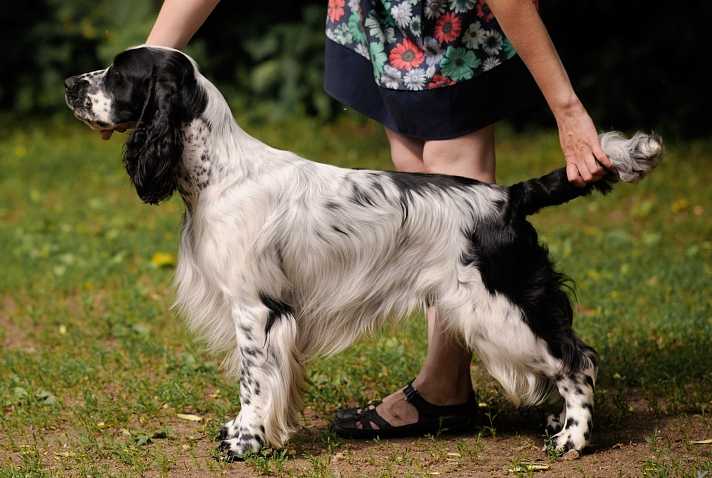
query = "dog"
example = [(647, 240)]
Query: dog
[(284, 259)]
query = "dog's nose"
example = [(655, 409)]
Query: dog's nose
[(70, 82)]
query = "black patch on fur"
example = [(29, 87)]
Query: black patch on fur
[(511, 262), (528, 197), (571, 422), (414, 183), (360, 197), (506, 251), (377, 186), (277, 310)]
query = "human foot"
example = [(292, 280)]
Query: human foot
[(407, 412)]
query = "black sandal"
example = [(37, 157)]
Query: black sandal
[(432, 419)]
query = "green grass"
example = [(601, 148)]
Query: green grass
[(94, 366)]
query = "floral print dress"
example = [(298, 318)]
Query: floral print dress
[(419, 46)]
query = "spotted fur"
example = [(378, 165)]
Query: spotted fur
[(283, 259)]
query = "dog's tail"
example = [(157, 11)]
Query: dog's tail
[(632, 159)]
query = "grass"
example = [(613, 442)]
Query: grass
[(94, 367)]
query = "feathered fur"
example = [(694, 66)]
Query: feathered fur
[(283, 259)]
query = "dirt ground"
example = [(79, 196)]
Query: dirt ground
[(641, 446)]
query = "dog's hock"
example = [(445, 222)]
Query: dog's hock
[(632, 158)]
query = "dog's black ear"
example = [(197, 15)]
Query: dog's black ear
[(153, 152)]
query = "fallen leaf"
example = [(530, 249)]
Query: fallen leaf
[(163, 259), (651, 238), (679, 205), (45, 397), (708, 441), (142, 439), (141, 329), (527, 467), (454, 454), (189, 417), (64, 454)]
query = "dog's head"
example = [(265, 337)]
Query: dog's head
[(154, 90)]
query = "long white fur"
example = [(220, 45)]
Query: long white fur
[(342, 286), (259, 226)]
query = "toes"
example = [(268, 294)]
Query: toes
[(567, 441), (232, 456), (236, 448), (231, 450), (224, 446), (565, 446)]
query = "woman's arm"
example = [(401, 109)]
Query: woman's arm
[(178, 21), (522, 24)]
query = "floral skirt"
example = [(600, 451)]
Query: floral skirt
[(429, 69)]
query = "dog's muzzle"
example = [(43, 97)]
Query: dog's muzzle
[(74, 90)]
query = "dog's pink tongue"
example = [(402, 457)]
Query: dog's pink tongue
[(106, 133)]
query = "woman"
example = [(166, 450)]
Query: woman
[(437, 74)]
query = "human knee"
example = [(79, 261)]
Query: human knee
[(470, 155), (460, 162)]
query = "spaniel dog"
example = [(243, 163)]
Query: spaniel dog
[(283, 259)]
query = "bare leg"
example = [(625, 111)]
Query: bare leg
[(444, 378)]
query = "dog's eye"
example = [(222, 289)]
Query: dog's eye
[(114, 77)]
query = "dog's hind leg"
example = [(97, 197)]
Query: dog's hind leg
[(271, 378), (528, 366), (576, 388)]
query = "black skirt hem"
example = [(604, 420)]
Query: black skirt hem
[(436, 114)]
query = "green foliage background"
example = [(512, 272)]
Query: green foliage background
[(635, 64)]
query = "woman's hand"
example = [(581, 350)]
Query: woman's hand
[(579, 141), (585, 160)]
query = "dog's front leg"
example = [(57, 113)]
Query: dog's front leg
[(271, 378)]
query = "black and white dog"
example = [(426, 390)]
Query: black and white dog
[(284, 259)]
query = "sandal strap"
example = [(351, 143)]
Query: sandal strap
[(368, 416), (427, 409)]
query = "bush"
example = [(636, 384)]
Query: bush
[(635, 64)]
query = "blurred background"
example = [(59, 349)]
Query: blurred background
[(98, 374), (635, 64)]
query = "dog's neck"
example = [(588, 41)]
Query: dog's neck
[(215, 150)]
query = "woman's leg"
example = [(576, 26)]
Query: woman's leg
[(406, 153), (444, 378)]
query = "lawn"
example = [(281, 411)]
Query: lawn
[(98, 377)]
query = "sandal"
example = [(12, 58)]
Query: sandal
[(352, 413), (432, 419)]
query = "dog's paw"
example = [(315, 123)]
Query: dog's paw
[(569, 439), (237, 448)]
